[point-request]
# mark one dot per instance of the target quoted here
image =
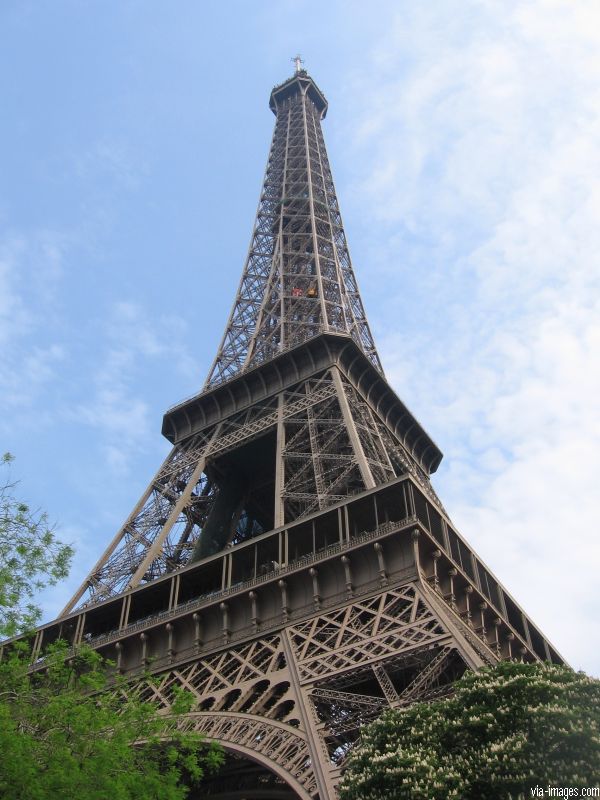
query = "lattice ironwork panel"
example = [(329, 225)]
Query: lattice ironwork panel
[(160, 533), (251, 679), (419, 674), (320, 464), (364, 632)]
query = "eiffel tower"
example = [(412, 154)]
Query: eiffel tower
[(290, 563)]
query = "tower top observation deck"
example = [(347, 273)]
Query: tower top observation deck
[(299, 83)]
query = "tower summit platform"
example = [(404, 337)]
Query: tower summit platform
[(300, 83)]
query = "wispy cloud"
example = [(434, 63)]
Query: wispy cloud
[(97, 366), (13, 315), (111, 159), (30, 271), (479, 151), (135, 345)]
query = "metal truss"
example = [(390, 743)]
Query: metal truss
[(364, 634), (278, 699), (245, 700), (298, 279), (331, 449), (329, 444), (326, 441), (428, 678), (341, 713), (160, 531), (273, 744)]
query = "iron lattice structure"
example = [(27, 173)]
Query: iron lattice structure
[(298, 279), (325, 440), (290, 563)]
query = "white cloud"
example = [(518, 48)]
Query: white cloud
[(111, 159), (480, 147), (13, 317), (30, 271), (134, 345)]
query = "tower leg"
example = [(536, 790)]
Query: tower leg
[(318, 752)]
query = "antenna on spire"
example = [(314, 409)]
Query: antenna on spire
[(298, 63)]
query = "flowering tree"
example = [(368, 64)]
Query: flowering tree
[(504, 732)]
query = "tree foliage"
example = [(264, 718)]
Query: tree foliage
[(31, 557), (67, 730), (503, 732), (64, 732)]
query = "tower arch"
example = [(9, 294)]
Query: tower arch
[(274, 746)]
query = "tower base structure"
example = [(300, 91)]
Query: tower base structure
[(292, 639)]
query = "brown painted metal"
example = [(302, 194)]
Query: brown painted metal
[(290, 563)]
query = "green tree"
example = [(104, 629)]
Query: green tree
[(31, 557), (67, 728), (66, 732), (504, 731)]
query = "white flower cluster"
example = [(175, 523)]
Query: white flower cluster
[(503, 731)]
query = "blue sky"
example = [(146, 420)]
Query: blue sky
[(464, 142)]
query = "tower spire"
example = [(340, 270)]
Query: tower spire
[(298, 62), (298, 280)]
